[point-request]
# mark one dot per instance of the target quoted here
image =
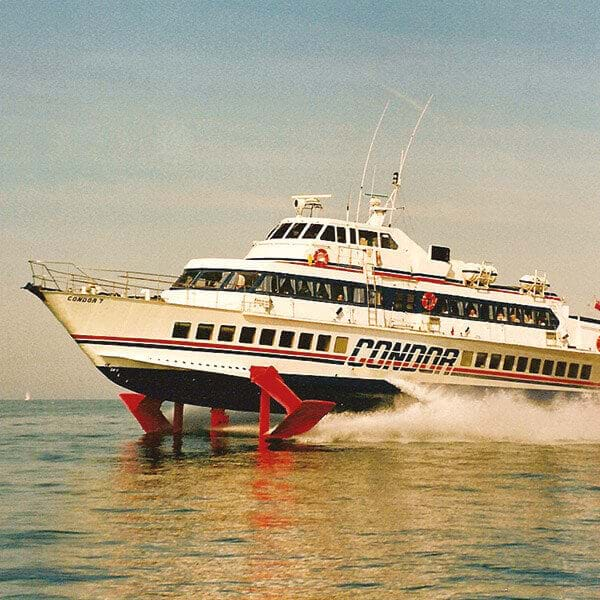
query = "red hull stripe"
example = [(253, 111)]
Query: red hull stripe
[(338, 358)]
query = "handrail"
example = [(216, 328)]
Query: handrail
[(69, 277)]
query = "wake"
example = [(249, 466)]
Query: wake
[(447, 415)]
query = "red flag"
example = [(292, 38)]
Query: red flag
[(597, 305)]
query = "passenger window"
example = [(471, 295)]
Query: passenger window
[(304, 288), (341, 234), (548, 367), (541, 318), (472, 311), (509, 363), (185, 280), (561, 369), (515, 315), (528, 318), (352, 236), (266, 337), (181, 330), (573, 371), (367, 238), (388, 242), (481, 359), (286, 285), (286, 339), (495, 360), (305, 341), (466, 360), (247, 335), (313, 231), (341, 345), (226, 333), (328, 234), (210, 279), (295, 231), (204, 331), (323, 291), (359, 296), (279, 233), (323, 343), (522, 364), (534, 365), (500, 314), (339, 293), (268, 284), (586, 372)]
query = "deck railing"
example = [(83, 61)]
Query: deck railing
[(68, 277)]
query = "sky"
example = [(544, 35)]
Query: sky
[(139, 135)]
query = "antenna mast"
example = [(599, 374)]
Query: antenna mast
[(397, 181), (362, 181)]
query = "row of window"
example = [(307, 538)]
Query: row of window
[(331, 233), (344, 292), (523, 364), (264, 337), (323, 343)]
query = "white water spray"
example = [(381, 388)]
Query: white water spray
[(448, 415)]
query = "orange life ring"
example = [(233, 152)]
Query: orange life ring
[(429, 301), (321, 258)]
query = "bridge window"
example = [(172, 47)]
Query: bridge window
[(204, 331), (586, 372), (387, 241), (286, 339), (548, 367), (341, 234), (266, 337), (367, 238), (295, 231), (323, 343), (352, 236), (313, 231), (534, 365), (247, 335), (341, 345), (328, 234), (561, 369), (181, 330), (305, 341), (226, 333), (281, 231), (509, 363), (573, 371)]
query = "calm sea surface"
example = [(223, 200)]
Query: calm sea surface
[(446, 499)]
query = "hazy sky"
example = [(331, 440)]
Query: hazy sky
[(142, 134)]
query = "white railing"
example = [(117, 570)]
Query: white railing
[(68, 277)]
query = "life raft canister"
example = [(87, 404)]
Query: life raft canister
[(321, 258), (429, 301)]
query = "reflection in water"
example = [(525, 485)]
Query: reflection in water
[(207, 517), (272, 522)]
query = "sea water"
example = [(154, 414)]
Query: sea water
[(488, 496)]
